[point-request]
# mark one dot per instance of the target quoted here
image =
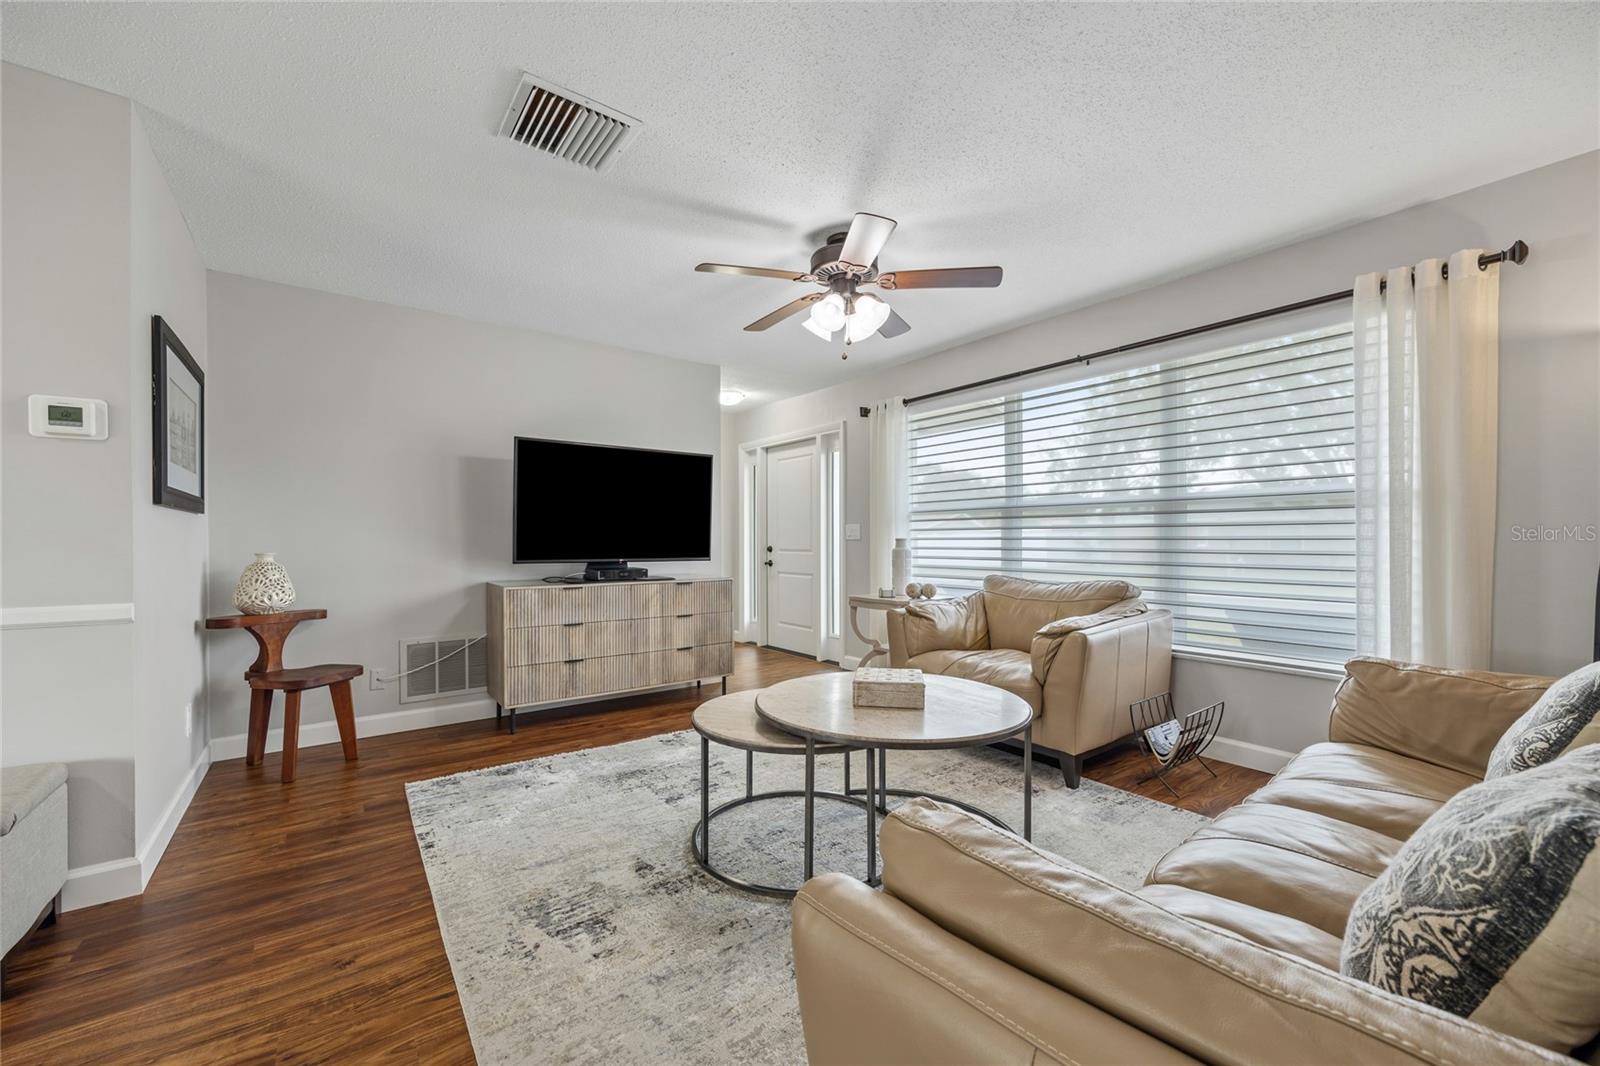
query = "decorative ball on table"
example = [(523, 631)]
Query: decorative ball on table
[(921, 590), (264, 587)]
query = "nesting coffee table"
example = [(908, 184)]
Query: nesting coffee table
[(814, 715)]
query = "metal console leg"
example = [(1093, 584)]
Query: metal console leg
[(1027, 783), (811, 801), (749, 773), (705, 800), (883, 781), (872, 824)]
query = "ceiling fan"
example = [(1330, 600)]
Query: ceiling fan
[(842, 266)]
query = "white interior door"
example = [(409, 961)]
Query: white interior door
[(792, 555)]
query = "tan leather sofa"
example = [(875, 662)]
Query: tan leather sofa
[(1079, 653), (981, 948)]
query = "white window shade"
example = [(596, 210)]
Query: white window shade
[(1220, 483)]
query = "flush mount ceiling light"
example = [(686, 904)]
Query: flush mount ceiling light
[(848, 261), (730, 397)]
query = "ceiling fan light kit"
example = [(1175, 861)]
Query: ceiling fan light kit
[(846, 262)]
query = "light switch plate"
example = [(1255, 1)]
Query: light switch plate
[(852, 531)]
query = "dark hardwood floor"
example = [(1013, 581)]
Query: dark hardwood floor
[(293, 923)]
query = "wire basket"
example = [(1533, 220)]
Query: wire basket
[(1170, 741)]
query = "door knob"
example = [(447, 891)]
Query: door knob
[(767, 563), (769, 547)]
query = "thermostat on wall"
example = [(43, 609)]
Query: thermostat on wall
[(66, 416)]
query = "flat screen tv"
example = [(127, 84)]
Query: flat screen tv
[(589, 502)]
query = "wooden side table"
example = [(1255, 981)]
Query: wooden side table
[(268, 675)]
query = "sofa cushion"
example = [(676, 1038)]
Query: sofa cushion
[(1365, 786), (1492, 909), (1267, 928), (1000, 667), (22, 788), (1018, 608), (1567, 716), (1451, 718), (959, 625), (1300, 864)]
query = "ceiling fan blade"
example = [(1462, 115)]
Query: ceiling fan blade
[(893, 326), (868, 234), (754, 272), (792, 307), (949, 278)]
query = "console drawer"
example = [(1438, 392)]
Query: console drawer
[(592, 640)]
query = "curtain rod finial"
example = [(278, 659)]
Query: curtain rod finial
[(1518, 252), (866, 412)]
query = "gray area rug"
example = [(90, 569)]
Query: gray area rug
[(579, 928)]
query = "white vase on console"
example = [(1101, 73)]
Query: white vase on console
[(264, 587), (900, 564)]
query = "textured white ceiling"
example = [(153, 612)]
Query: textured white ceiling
[(1088, 149)]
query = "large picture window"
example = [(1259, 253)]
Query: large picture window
[(1221, 483)]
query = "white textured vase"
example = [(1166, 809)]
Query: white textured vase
[(264, 587), (900, 563)]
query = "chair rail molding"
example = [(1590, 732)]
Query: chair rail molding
[(54, 616)]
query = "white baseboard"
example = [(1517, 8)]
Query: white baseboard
[(1255, 756), (849, 662), (101, 883), (105, 881), (367, 725), (150, 854)]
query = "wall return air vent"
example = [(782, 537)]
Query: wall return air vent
[(435, 667), (564, 124)]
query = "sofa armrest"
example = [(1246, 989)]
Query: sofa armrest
[(1047, 641), (880, 983), (1450, 718), (1203, 990), (1091, 668), (937, 625)]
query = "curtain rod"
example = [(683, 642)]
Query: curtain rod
[(1517, 253)]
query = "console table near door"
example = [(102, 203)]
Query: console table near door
[(557, 642)]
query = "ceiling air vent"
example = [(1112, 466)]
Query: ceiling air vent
[(564, 124)]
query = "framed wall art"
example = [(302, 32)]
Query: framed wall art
[(179, 422)]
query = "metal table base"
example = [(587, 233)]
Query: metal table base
[(699, 838), (877, 789), (877, 786)]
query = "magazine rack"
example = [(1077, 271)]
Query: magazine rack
[(1170, 741)]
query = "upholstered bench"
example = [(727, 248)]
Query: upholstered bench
[(33, 847)]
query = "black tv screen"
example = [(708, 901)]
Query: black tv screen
[(583, 502)]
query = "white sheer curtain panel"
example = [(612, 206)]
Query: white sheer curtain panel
[(1427, 384)]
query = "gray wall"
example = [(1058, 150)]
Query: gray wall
[(92, 245), (169, 546), (1549, 408), (369, 446)]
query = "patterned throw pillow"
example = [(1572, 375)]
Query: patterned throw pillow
[(1567, 716), (1492, 909)]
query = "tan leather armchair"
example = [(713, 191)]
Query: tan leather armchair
[(1078, 652), (980, 947)]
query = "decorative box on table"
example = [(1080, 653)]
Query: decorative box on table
[(877, 686)]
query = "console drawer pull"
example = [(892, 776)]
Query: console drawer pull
[(572, 660), (565, 624), (687, 647), (689, 615)]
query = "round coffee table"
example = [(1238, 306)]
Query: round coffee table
[(732, 721), (957, 713)]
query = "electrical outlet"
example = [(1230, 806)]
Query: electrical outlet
[(852, 531), (374, 682)]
